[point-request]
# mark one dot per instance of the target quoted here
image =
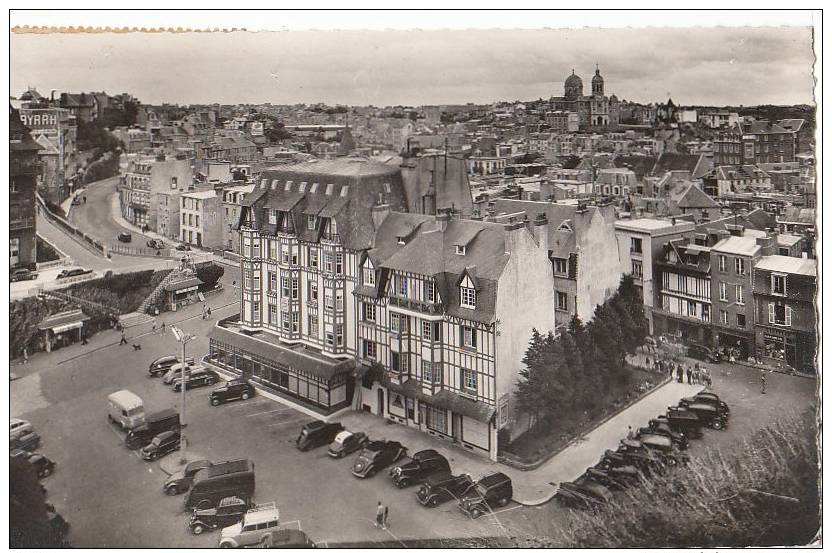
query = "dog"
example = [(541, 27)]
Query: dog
[(137, 347)]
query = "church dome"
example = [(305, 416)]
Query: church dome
[(597, 78), (574, 86), (574, 81)]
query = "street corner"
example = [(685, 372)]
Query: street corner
[(175, 462)]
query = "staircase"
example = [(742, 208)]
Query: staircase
[(159, 290)]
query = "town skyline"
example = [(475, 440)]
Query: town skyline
[(722, 67)]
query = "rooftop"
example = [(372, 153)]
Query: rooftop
[(648, 224), (789, 265), (737, 245), (200, 194)]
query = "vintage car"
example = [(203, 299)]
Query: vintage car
[(663, 429), (316, 434), (42, 464), (73, 272), (663, 445), (18, 427), (229, 391), (347, 442), (229, 511), (198, 378), (376, 456), (155, 244), (22, 274), (615, 478), (253, 529), (163, 364), (494, 490), (27, 441), (583, 493), (712, 399), (180, 482), (441, 487), (703, 353), (161, 445), (125, 237), (681, 421), (646, 460), (421, 465), (708, 415)]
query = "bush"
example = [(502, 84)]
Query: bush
[(764, 494), (45, 252), (209, 274)]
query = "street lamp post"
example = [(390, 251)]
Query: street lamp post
[(183, 339)]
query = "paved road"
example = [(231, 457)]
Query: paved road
[(95, 217)]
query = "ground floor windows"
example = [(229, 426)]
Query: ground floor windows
[(436, 419)]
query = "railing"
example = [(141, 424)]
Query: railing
[(123, 249), (95, 246), (407, 303), (23, 223)]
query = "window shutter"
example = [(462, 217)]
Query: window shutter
[(788, 316), (436, 331), (771, 312), (461, 335), (473, 337)]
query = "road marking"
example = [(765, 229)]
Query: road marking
[(267, 412)]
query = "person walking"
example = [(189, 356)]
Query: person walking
[(679, 373), (25, 355), (208, 311), (630, 433), (690, 375), (203, 311), (384, 517), (763, 383), (163, 327), (123, 338), (153, 328), (379, 515)]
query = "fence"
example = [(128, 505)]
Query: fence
[(94, 245), (139, 251), (231, 256)]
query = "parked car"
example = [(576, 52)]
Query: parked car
[(376, 456), (710, 416), (154, 424), (229, 511), (441, 487), (125, 237), (18, 427), (583, 494), (22, 274), (494, 490), (316, 434), (175, 371), (688, 401), (42, 464), (163, 364), (256, 524), (712, 399), (703, 353), (156, 244), (161, 445), (180, 481), (287, 538), (75, 271), (183, 247), (681, 421), (234, 478), (231, 390), (663, 445), (663, 429), (198, 378), (646, 460), (421, 465), (27, 441), (614, 478), (347, 442)]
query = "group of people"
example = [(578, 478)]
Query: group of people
[(695, 374)]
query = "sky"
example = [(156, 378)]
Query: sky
[(695, 66)]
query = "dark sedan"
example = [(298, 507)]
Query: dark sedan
[(180, 482), (421, 465), (27, 441), (22, 274), (347, 442), (125, 237), (377, 456), (42, 464), (164, 443), (583, 493), (442, 487), (77, 271), (205, 377)]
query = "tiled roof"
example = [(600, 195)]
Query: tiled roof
[(61, 319), (763, 127), (690, 196), (794, 125), (675, 162), (790, 265), (737, 245)]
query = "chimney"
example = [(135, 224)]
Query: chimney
[(442, 218), (513, 231), (540, 228)]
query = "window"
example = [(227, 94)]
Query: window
[(468, 378), (394, 322), (328, 262), (311, 222), (369, 349), (779, 314), (460, 250), (313, 257), (328, 301), (330, 339), (468, 298), (272, 217), (723, 263), (399, 361), (691, 309), (272, 249), (284, 315), (561, 265), (313, 325), (339, 334), (285, 287), (426, 330), (256, 281), (369, 275), (635, 245), (295, 288), (430, 291), (313, 291), (272, 281), (294, 257), (255, 312), (740, 294), (369, 312), (436, 419), (285, 252), (247, 279), (339, 300), (637, 269), (173, 182), (783, 252), (255, 246), (741, 320), (723, 291), (468, 337), (339, 263), (431, 372), (562, 301), (272, 314), (295, 321), (723, 316), (778, 284), (402, 288), (739, 265)]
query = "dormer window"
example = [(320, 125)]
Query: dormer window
[(400, 241), (460, 250), (467, 293), (369, 274), (272, 217), (311, 222)]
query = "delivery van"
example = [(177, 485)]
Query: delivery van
[(125, 409)]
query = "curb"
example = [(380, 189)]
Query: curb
[(171, 463)]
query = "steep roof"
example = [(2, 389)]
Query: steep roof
[(763, 127), (790, 265), (737, 245), (690, 196), (668, 161), (640, 165)]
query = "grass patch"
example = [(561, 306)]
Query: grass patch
[(563, 426), (45, 251)]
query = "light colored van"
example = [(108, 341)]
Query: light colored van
[(255, 528), (125, 409)]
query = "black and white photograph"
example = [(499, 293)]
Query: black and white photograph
[(415, 279)]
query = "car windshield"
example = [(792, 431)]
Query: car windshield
[(133, 411)]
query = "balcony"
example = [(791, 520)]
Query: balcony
[(417, 306)]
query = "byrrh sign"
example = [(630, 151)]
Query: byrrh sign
[(44, 119)]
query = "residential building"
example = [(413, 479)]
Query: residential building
[(230, 209), (582, 248), (486, 165), (167, 213), (24, 168), (200, 220), (786, 322), (754, 143), (54, 129), (719, 119), (562, 122), (732, 266), (640, 242), (83, 106), (616, 182), (683, 294), (144, 178)]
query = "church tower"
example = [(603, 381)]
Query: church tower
[(573, 88), (597, 83)]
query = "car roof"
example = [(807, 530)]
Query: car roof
[(493, 479), (126, 398), (227, 467), (165, 435), (426, 454), (656, 439), (226, 501), (266, 512), (701, 407)]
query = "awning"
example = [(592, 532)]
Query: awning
[(184, 285), (64, 328), (60, 322), (445, 399)]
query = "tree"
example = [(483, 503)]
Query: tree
[(29, 519), (209, 274), (530, 393)]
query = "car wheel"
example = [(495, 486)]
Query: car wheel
[(225, 545), (503, 502), (433, 502), (215, 402), (46, 472), (371, 472), (171, 490), (245, 396), (717, 425), (197, 529), (476, 513)]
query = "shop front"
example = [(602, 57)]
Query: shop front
[(63, 329), (785, 347), (740, 345), (182, 292)]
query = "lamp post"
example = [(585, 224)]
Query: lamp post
[(182, 338)]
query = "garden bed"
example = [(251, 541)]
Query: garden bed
[(547, 438)]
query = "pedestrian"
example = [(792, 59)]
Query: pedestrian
[(25, 355), (657, 368), (679, 373), (763, 383), (163, 327), (123, 338), (690, 375), (85, 198), (647, 365), (384, 518), (379, 514), (203, 311), (84, 340), (153, 328), (209, 311), (630, 433), (696, 373)]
